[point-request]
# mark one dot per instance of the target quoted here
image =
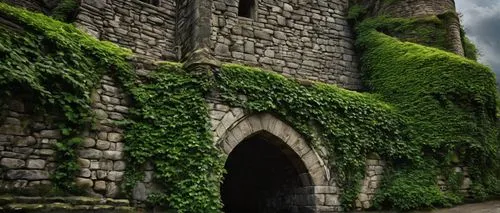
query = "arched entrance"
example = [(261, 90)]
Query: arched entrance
[(271, 168), (263, 175)]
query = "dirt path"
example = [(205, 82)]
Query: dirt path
[(486, 207)]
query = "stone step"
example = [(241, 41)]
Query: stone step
[(63, 204), (74, 200), (64, 207)]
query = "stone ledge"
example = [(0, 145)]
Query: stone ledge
[(63, 204)]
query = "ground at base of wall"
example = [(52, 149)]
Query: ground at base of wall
[(484, 207), (63, 204)]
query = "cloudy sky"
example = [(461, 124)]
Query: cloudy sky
[(481, 19)]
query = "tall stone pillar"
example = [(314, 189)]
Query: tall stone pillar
[(194, 28), (454, 36)]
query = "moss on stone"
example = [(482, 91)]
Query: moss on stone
[(57, 207), (6, 199), (24, 207), (448, 101)]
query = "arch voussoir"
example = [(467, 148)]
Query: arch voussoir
[(311, 169), (247, 126)]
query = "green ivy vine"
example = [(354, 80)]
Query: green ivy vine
[(58, 66), (169, 128), (428, 108), (450, 105), (348, 124), (65, 10)]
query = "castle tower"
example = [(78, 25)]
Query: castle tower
[(443, 9)]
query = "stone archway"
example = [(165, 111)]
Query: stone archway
[(294, 166)]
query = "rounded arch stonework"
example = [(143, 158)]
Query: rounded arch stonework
[(231, 126), (250, 125)]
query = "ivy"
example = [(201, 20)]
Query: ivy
[(428, 31), (470, 50), (348, 124), (428, 109), (58, 66), (404, 190), (169, 128), (65, 10), (448, 101)]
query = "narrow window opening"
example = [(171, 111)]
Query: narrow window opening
[(246, 8), (152, 2)]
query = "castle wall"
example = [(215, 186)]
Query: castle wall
[(421, 8), (146, 29), (193, 26), (303, 39), (27, 140), (101, 156), (26, 146), (416, 8)]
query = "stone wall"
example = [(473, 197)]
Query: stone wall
[(146, 29), (101, 157), (421, 8), (26, 147), (465, 188), (307, 39), (418, 8), (373, 177), (193, 25), (231, 125)]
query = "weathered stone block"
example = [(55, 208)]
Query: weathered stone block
[(115, 176), (112, 189), (115, 137), (102, 145), (222, 49), (27, 175), (27, 141), (101, 174), (36, 164), (100, 185), (119, 165), (84, 182), (332, 200), (139, 192), (84, 163), (94, 165), (106, 165), (88, 142), (55, 134), (46, 152), (101, 114), (12, 163), (90, 153), (113, 155)]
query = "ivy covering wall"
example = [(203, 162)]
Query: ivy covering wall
[(169, 128), (348, 124), (428, 111), (58, 66), (449, 103)]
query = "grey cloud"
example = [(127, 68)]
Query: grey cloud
[(481, 19)]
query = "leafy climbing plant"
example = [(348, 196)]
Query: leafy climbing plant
[(58, 66)]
